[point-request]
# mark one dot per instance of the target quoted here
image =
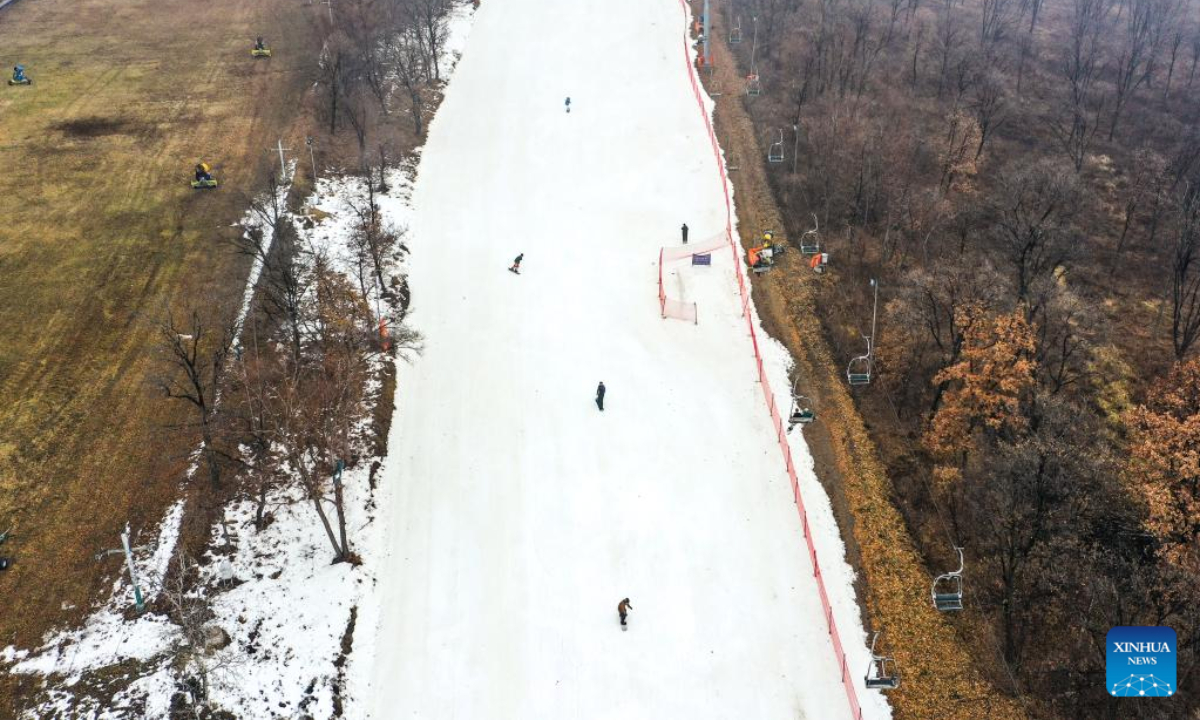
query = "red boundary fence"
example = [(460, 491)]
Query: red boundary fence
[(776, 418)]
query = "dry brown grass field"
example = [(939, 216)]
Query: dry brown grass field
[(99, 231)]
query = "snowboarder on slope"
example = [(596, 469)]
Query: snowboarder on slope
[(600, 396), (568, 104), (516, 266), (684, 229), (623, 609)]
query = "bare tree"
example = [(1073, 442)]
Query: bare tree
[(1176, 43), (996, 20), (1146, 181), (947, 42), (1075, 129), (1135, 55), (1081, 57), (916, 53), (1185, 275), (284, 280), (1033, 208), (429, 24), (406, 57), (330, 79), (194, 650), (373, 242), (989, 106), (1194, 46), (195, 353)]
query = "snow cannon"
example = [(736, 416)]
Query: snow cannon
[(260, 49), (759, 259), (204, 179), (19, 77)]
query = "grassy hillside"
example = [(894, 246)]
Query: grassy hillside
[(100, 232)]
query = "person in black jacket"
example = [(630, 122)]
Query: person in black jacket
[(600, 396)]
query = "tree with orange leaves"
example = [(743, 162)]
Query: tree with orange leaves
[(989, 386), (1165, 462)]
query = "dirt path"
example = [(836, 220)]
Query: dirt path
[(100, 232), (938, 676)]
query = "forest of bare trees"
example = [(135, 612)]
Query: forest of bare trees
[(382, 58), (1022, 177)]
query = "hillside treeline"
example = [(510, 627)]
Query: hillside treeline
[(1023, 179)]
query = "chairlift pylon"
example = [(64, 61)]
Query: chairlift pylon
[(858, 372), (947, 590), (735, 34), (775, 152), (810, 241), (881, 673)]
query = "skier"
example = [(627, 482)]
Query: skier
[(623, 609), (568, 104), (684, 229), (600, 396), (516, 266)]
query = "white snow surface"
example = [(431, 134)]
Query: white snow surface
[(515, 514)]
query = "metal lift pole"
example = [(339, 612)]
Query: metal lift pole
[(707, 35)]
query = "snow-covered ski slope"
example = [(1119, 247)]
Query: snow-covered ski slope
[(518, 514)]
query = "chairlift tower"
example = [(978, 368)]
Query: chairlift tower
[(753, 84)]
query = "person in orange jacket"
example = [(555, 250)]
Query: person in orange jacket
[(623, 609)]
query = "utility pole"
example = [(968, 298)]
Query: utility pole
[(754, 46), (311, 155), (874, 309), (707, 36), (133, 578), (282, 164), (139, 602), (795, 146)]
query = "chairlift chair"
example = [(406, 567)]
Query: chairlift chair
[(753, 85), (810, 241), (881, 673), (947, 591), (775, 152), (858, 372), (802, 412), (735, 34), (819, 262)]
